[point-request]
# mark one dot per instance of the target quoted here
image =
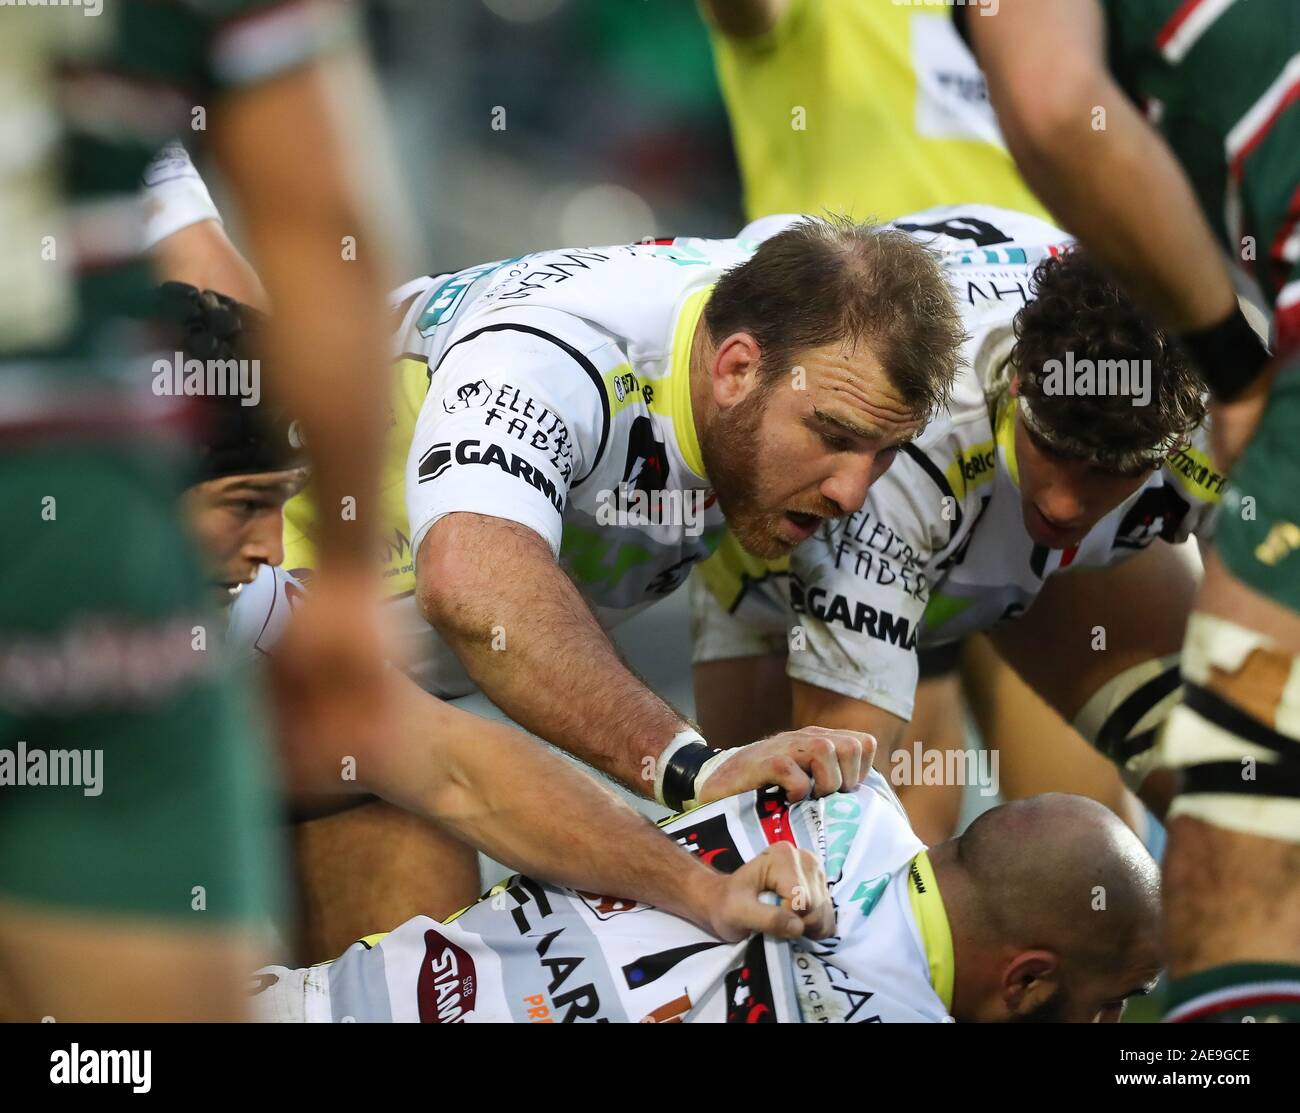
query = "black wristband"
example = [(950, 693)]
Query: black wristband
[(683, 767), (1230, 355)]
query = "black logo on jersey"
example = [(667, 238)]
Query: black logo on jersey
[(467, 395), (980, 232), (851, 614), (647, 458), (1158, 512), (436, 461)]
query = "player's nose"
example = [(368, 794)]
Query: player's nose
[(848, 484), (1062, 504), (265, 544)]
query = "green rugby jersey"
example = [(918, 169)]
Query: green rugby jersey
[(91, 92), (1220, 79)]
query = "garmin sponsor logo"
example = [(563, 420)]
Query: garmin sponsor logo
[(179, 377), (441, 456), (628, 505), (852, 615), (1088, 378), (448, 983)]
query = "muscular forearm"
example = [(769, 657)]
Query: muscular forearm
[(1099, 166), (529, 640), (291, 153), (529, 808)]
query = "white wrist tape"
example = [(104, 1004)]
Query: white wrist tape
[(174, 195)]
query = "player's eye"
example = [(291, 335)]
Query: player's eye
[(835, 442)]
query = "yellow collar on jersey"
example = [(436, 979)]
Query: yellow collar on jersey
[(1005, 434), (677, 403), (932, 922)]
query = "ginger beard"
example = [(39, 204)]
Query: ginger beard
[(739, 472)]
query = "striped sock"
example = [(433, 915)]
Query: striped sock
[(1263, 992)]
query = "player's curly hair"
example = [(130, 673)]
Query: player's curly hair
[(1077, 309), (827, 280)]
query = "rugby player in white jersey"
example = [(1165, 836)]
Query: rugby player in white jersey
[(1031, 472), (977, 929), (573, 426), (483, 781)]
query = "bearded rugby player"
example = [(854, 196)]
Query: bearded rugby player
[(546, 402), (1221, 144), (683, 395), (480, 780)]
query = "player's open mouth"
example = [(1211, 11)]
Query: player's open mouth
[(801, 526), (1050, 532)]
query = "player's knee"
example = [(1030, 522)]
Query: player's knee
[(1235, 738), (1122, 719)]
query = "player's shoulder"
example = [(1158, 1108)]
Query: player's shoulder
[(261, 610), (968, 229)]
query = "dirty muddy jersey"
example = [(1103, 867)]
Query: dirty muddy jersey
[(939, 550), (551, 390), (534, 953)]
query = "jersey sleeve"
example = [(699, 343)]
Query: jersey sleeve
[(515, 416), (860, 588)]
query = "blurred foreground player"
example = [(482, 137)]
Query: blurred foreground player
[(976, 929), (1220, 83), (166, 856)]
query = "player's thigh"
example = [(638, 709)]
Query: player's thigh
[(372, 867), (742, 699), (936, 726), (1087, 627), (104, 968), (1037, 750), (738, 658)]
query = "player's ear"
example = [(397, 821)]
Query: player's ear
[(735, 370), (1029, 982)]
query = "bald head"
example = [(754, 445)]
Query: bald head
[(1058, 884)]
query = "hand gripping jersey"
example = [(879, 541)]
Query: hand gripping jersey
[(551, 390), (534, 953), (939, 550)]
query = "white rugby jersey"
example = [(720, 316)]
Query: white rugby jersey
[(534, 953), (939, 550), (552, 390)]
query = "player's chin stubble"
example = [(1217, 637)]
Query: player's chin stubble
[(730, 448)]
